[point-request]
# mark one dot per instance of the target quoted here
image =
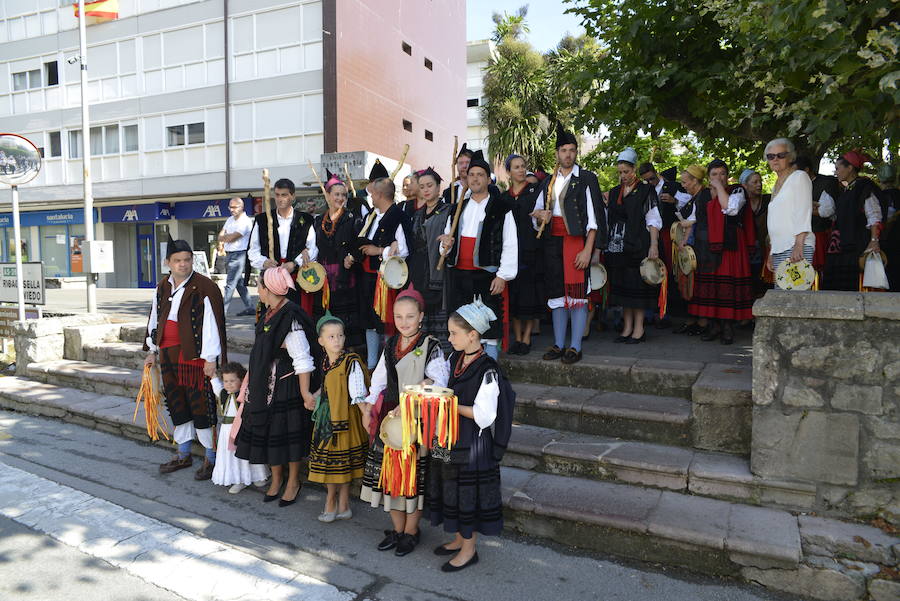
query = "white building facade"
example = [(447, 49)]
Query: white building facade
[(478, 55)]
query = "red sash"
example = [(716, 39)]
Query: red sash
[(190, 372), (466, 258), (573, 278), (171, 336)]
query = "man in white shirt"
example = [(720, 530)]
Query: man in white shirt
[(235, 235), (294, 242), (187, 308), (484, 252)]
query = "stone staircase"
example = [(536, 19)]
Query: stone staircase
[(637, 458)]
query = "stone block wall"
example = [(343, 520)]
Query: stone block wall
[(39, 340), (826, 397)]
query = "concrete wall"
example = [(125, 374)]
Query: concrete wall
[(826, 397)]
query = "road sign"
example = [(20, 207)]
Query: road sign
[(8, 316), (32, 283)]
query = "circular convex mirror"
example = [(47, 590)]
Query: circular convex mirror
[(20, 160)]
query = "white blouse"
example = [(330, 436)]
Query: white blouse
[(298, 348), (210, 343), (470, 224), (790, 213), (871, 206), (484, 409), (284, 233), (356, 384), (436, 369)]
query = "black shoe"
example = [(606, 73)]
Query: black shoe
[(389, 541), (620, 339), (695, 330), (553, 353), (525, 349), (636, 340), (443, 551), (571, 356), (449, 567), (269, 498), (406, 543), (283, 503)]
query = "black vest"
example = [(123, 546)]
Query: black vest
[(466, 389), (300, 225), (667, 209), (522, 206), (850, 217), (824, 183), (386, 234), (632, 212), (574, 206), (490, 233)]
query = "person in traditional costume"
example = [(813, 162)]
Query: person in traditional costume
[(186, 334), (410, 190), (410, 357), (294, 240), (526, 303), (627, 234), (428, 224), (570, 219), (463, 482), (336, 232), (723, 290), (463, 159), (758, 202), (825, 188), (339, 443), (385, 233), (666, 192), (229, 470), (276, 424), (483, 253), (857, 218), (789, 221), (693, 180)]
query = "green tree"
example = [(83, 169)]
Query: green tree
[(738, 73)]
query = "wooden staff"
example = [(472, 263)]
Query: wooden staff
[(267, 193), (548, 204), (316, 175), (400, 164), (349, 181), (456, 213)]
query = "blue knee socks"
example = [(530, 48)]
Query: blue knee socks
[(184, 449), (211, 455), (579, 322), (373, 344), (560, 322)]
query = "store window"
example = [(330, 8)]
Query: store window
[(54, 250), (206, 234), (76, 240), (9, 245)]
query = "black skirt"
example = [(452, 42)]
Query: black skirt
[(464, 500), (626, 286), (526, 301), (281, 435), (469, 284)]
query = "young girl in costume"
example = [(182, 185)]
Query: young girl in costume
[(229, 470), (409, 357), (339, 441), (463, 484)]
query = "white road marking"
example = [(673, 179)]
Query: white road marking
[(160, 554)]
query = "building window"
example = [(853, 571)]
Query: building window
[(51, 70), (55, 144), (407, 48), (105, 140), (130, 133), (471, 102), (75, 144), (26, 80), (175, 134), (407, 125), (429, 136), (429, 65)]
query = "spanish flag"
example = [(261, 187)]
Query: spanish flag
[(102, 9)]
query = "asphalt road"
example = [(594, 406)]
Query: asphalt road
[(86, 515)]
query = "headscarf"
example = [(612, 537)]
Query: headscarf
[(629, 155), (856, 158), (414, 294), (333, 180), (327, 319), (477, 315), (698, 171), (509, 160), (745, 175), (277, 280)]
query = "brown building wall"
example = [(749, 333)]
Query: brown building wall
[(377, 85)]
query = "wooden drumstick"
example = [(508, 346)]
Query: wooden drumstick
[(400, 163), (548, 204), (316, 175), (267, 192), (349, 180)]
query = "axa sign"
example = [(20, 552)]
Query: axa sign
[(213, 210), (130, 215)]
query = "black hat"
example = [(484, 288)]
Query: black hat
[(478, 161), (716, 163), (430, 171), (563, 137), (176, 246), (328, 174), (378, 171), (464, 151), (670, 174)]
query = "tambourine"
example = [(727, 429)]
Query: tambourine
[(311, 277), (394, 272), (865, 255), (653, 271), (598, 277), (398, 465), (434, 410), (687, 260), (391, 433), (795, 276), (678, 233)]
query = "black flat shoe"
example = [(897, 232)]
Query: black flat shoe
[(443, 551), (636, 340), (620, 339), (571, 356), (449, 567), (553, 353), (389, 541), (525, 349), (406, 544)]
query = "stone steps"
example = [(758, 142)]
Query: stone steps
[(648, 418), (703, 473), (135, 333), (707, 535), (131, 355)]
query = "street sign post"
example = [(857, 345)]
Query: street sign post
[(32, 283)]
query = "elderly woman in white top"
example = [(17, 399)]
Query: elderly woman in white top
[(790, 212)]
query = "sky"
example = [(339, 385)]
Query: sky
[(545, 18)]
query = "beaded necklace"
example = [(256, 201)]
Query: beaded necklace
[(400, 352), (461, 367)]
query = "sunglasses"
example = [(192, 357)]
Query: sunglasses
[(778, 155)]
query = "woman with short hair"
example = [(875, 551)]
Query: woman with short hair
[(789, 220)]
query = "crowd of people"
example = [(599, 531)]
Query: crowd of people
[(484, 266)]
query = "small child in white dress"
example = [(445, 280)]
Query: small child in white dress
[(229, 470)]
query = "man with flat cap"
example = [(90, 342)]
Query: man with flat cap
[(186, 335)]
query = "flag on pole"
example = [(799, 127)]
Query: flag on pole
[(102, 9)]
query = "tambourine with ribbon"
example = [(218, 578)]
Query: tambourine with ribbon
[(431, 411), (654, 273), (687, 260), (395, 272), (398, 466)]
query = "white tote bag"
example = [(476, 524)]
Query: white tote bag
[(874, 275)]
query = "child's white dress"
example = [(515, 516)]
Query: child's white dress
[(229, 469)]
